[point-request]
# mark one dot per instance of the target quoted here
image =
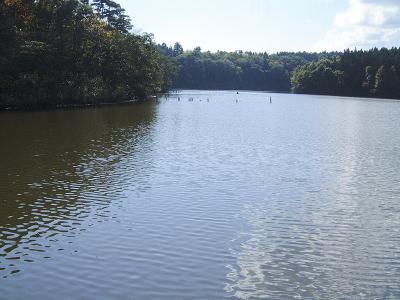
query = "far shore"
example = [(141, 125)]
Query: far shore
[(75, 106), (171, 92)]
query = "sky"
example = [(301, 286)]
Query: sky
[(269, 25)]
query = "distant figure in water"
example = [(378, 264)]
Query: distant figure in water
[(270, 100), (179, 99), (237, 100), (237, 93), (208, 100)]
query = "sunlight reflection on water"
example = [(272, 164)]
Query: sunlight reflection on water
[(203, 199)]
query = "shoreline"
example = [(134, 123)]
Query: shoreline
[(171, 92), (290, 93), (75, 106)]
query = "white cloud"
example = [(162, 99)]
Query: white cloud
[(365, 24)]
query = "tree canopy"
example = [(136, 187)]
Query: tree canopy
[(235, 70), (66, 52), (372, 73), (56, 52)]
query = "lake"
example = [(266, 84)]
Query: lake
[(223, 197)]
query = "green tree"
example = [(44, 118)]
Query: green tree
[(356, 74), (112, 13), (387, 82), (62, 52), (318, 78), (369, 81), (178, 49)]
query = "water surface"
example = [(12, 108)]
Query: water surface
[(223, 197)]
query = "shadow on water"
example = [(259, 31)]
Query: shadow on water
[(57, 170)]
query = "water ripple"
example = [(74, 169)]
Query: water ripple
[(203, 200)]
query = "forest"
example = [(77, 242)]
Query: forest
[(372, 73), (75, 52), (236, 70), (68, 52)]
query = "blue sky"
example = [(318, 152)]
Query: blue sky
[(269, 25)]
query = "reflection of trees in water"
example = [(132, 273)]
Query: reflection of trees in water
[(61, 168)]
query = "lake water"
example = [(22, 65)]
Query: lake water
[(230, 198)]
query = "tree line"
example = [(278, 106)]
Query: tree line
[(235, 70), (65, 52), (361, 73), (372, 73)]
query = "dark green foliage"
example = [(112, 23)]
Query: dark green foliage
[(113, 14), (178, 50), (329, 80), (387, 82), (61, 52), (66, 52), (373, 73), (235, 70)]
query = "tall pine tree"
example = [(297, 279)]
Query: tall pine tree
[(113, 14)]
